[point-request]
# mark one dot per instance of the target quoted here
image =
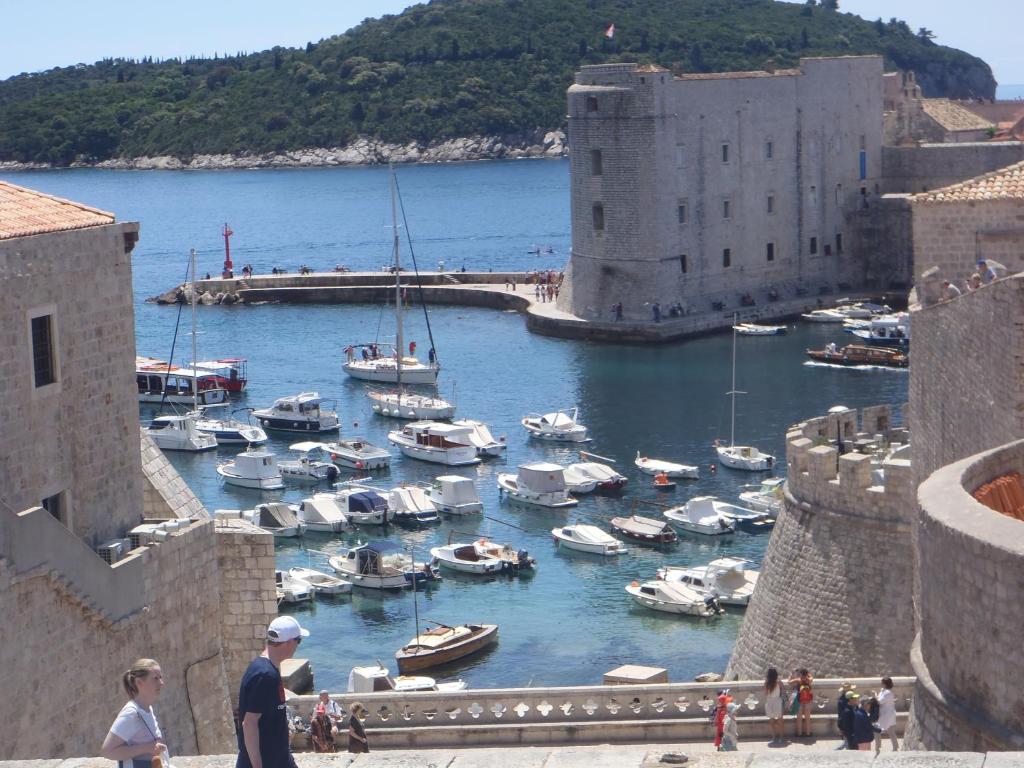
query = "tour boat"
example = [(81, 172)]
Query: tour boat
[(230, 372), (443, 645), (744, 519), (540, 483), (644, 529), (699, 515), (730, 579), (351, 453), (673, 597), (409, 405), (577, 481), (381, 565), (607, 479), (160, 382), (290, 590), (587, 538), (668, 468), (753, 329), (363, 505), (558, 426), (378, 678), (455, 495), (178, 432), (411, 505), (255, 468), (744, 457), (437, 442), (885, 331), (766, 497), (305, 468), (322, 513), (305, 412), (230, 431), (278, 518), (319, 583), (481, 438), (856, 354)]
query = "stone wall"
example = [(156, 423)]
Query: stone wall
[(883, 232), (164, 492), (932, 166), (835, 588), (970, 692), (78, 436)]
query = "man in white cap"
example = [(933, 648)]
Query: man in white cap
[(263, 740)]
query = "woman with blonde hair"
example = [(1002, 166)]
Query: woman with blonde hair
[(135, 738)]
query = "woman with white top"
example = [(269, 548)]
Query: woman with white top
[(135, 738), (886, 716), (773, 701)]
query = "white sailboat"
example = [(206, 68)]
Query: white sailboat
[(180, 432), (740, 456)]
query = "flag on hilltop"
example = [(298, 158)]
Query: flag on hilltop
[(610, 32)]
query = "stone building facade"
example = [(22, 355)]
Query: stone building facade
[(911, 119), (717, 190), (76, 472)]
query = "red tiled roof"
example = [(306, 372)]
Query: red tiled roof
[(26, 212), (1004, 184)]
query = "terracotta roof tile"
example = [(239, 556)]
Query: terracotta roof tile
[(954, 117), (1004, 184), (26, 212)]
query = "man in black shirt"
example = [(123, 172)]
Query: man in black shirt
[(263, 740)]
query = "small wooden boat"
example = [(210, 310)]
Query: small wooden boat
[(644, 529), (444, 644), (662, 483), (669, 468), (857, 354)]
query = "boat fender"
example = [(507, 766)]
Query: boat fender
[(359, 465), (634, 583)]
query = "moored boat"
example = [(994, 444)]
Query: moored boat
[(381, 565), (409, 405), (437, 442), (178, 432), (230, 372), (319, 583), (455, 495), (305, 412), (644, 529), (230, 431), (539, 483), (305, 468), (672, 597), (290, 590), (587, 538), (668, 468), (729, 579), (753, 329), (607, 479), (363, 505), (411, 505), (255, 468), (481, 438), (277, 518), (766, 497), (443, 645), (160, 382), (351, 453), (321, 513), (379, 678), (558, 426), (577, 481), (857, 354), (699, 515), (744, 519)]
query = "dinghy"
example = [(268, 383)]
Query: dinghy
[(587, 538)]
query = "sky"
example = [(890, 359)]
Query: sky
[(33, 41)]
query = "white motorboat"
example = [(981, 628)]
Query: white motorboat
[(753, 329), (558, 426), (378, 678), (322, 513), (578, 482), (277, 518), (465, 558), (351, 453), (381, 565), (587, 538), (306, 468), (515, 559), (411, 505), (255, 468), (455, 495), (178, 432), (699, 515), (669, 468), (231, 431), (437, 442), (824, 316), (305, 412), (290, 590), (158, 381), (730, 579), (744, 457), (481, 438), (318, 582), (362, 505), (540, 483), (673, 597), (886, 331), (607, 479), (766, 497), (744, 519), (409, 405)]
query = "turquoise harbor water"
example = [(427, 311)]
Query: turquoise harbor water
[(571, 620)]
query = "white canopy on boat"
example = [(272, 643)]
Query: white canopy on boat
[(322, 508), (542, 477), (457, 490), (590, 534), (558, 419), (306, 446)]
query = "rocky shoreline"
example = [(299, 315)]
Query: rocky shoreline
[(549, 144)]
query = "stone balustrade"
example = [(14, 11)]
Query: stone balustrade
[(556, 715)]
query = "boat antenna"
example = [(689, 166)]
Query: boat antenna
[(399, 340), (416, 270)]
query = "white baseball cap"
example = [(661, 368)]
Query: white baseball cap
[(285, 628)]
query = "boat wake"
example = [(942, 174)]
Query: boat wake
[(817, 364)]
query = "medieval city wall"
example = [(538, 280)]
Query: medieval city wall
[(75, 437), (933, 166), (834, 593)]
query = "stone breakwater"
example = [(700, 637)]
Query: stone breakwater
[(363, 151)]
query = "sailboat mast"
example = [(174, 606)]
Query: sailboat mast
[(195, 378), (399, 340), (732, 392)]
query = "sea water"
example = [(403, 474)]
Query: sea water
[(571, 620)]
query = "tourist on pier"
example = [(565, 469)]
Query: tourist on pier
[(774, 696), (135, 738), (331, 707), (844, 715), (886, 716), (321, 731), (730, 729), (536, 291), (721, 710), (803, 684), (863, 735), (356, 734), (263, 740)]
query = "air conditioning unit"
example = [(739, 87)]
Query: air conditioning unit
[(141, 535), (114, 550)]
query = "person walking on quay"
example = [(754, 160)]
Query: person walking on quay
[(135, 740), (844, 715), (886, 716), (656, 311), (730, 729), (863, 734), (356, 734), (263, 740), (774, 696), (803, 685), (321, 730), (618, 311), (721, 709)]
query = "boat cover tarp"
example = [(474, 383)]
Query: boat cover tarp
[(366, 501), (640, 525), (321, 508), (542, 477), (589, 534), (276, 514), (410, 499), (600, 472), (457, 490)]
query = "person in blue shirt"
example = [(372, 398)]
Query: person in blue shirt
[(863, 735), (263, 740)]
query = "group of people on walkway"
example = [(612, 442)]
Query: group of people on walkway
[(988, 272), (264, 738)]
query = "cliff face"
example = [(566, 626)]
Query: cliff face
[(973, 81)]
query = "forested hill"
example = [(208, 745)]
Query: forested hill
[(450, 68)]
